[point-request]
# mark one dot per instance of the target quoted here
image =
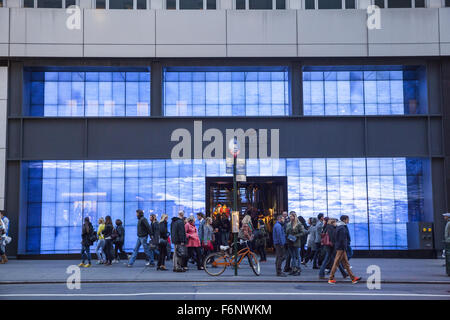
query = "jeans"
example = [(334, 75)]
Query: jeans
[(317, 254), (141, 241), (287, 257), (86, 253), (329, 258), (225, 236), (118, 246), (294, 252), (162, 254), (280, 255), (349, 252), (100, 250), (341, 257), (109, 250)]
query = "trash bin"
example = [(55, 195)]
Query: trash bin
[(447, 257)]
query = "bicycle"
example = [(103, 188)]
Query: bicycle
[(216, 262)]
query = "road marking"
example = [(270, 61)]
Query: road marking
[(223, 294)]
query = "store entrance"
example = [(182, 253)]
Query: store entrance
[(261, 197)]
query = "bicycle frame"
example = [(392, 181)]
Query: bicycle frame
[(230, 261)]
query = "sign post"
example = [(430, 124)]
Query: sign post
[(234, 147)]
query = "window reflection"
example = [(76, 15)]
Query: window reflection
[(380, 195)]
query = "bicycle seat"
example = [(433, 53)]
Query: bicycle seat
[(224, 248)]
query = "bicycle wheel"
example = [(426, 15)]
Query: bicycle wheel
[(254, 263), (215, 264)]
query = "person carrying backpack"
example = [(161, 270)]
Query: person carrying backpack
[(119, 235), (87, 234), (261, 241)]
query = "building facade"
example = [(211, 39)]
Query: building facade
[(111, 106)]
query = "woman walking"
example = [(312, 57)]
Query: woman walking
[(294, 232), (86, 233), (107, 233), (119, 241), (101, 242), (310, 242), (163, 236), (193, 242)]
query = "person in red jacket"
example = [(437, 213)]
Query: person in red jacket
[(193, 242)]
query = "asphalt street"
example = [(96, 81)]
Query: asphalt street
[(226, 291)]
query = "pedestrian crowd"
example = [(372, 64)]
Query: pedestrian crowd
[(327, 243)]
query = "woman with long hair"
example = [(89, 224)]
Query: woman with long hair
[(163, 236), (100, 242), (208, 237), (107, 233), (294, 232)]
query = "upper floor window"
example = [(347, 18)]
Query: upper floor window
[(400, 3), (49, 3), (87, 93), (260, 4), (121, 4), (226, 91), (386, 90), (330, 4), (191, 4)]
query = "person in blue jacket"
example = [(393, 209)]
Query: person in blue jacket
[(279, 240)]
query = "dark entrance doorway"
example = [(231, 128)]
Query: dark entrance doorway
[(268, 195)]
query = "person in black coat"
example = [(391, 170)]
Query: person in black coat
[(107, 233), (143, 230), (86, 242), (119, 241), (163, 236), (342, 240), (178, 234)]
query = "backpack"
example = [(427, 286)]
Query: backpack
[(93, 237)]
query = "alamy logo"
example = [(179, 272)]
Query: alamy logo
[(374, 17), (374, 279), (74, 278), (73, 22), (258, 142)]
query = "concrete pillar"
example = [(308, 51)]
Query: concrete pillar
[(86, 4), (3, 117), (13, 3), (225, 4), (294, 4), (156, 4), (434, 3), (363, 4)]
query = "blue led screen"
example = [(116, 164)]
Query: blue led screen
[(89, 94), (226, 92), (380, 195), (347, 93)]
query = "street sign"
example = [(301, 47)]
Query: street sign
[(241, 178), (235, 221)]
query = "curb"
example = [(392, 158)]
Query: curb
[(215, 281)]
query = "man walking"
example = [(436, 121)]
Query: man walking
[(201, 232), (279, 241), (143, 230), (287, 254), (178, 233), (317, 240), (341, 243)]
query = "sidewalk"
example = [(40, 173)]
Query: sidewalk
[(51, 271)]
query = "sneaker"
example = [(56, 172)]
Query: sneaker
[(356, 280), (332, 281), (147, 264), (87, 265), (282, 274), (81, 264), (99, 262), (129, 265)]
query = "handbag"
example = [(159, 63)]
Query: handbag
[(208, 246), (292, 238), (325, 240), (182, 251)]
